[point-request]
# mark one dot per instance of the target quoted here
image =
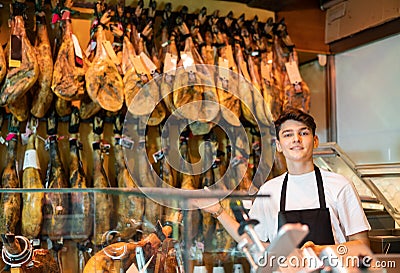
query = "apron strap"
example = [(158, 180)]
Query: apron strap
[(320, 186), (283, 193)]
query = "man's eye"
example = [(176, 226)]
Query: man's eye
[(305, 133), (287, 135)]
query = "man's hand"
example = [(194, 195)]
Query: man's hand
[(355, 239), (316, 248)]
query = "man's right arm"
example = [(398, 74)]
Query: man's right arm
[(230, 224)]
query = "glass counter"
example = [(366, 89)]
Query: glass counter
[(379, 188), (378, 185), (95, 230)]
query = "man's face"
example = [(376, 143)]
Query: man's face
[(296, 141)]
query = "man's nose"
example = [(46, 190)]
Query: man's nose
[(296, 137)]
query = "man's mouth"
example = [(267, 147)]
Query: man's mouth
[(296, 148)]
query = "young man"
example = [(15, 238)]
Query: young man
[(327, 202)]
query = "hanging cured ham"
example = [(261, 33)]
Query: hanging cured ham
[(146, 178), (103, 203), (227, 83), (187, 182), (23, 69), (103, 82), (10, 202), (56, 204), (168, 77), (130, 208), (141, 91), (270, 75), (70, 67), (32, 205), (298, 96), (194, 89), (206, 180), (245, 88), (42, 95), (81, 202), (23, 73)]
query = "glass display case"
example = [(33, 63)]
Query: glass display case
[(379, 188), (115, 241), (84, 235), (378, 185), (123, 230)]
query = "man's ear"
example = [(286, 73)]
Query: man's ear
[(316, 141), (278, 145)]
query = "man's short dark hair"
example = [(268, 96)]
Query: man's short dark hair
[(291, 113)]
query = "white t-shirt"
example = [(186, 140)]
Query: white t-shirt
[(346, 212)]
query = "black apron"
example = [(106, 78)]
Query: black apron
[(318, 219)]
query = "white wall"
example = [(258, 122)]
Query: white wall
[(368, 102), (315, 77)]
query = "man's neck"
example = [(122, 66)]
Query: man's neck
[(296, 168)]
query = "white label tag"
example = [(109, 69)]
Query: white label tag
[(31, 159), (188, 61), (223, 68), (148, 63), (110, 52), (170, 63), (293, 72), (127, 143), (77, 47), (90, 48)]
